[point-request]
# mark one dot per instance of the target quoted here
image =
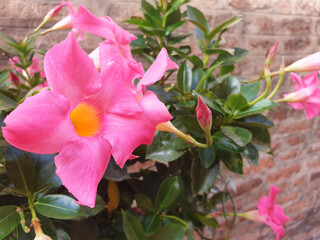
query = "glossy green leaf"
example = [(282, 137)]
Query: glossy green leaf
[(62, 234), (177, 144), (7, 103), (144, 203), (168, 192), (257, 120), (46, 178), (207, 220), (164, 154), (226, 24), (58, 206), (115, 173), (232, 161), (132, 227), (9, 220), (171, 28), (191, 123), (260, 138), (237, 102), (196, 17), (212, 51), (170, 231), (230, 85), (20, 169), (259, 107), (240, 136), (100, 205), (151, 223), (207, 156), (250, 91), (223, 142), (226, 69), (229, 59), (184, 77), (251, 153), (203, 178)]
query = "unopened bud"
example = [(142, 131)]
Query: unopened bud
[(272, 52), (306, 64), (14, 79), (204, 115), (42, 236), (53, 13)]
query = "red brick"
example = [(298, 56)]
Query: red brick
[(247, 186), (287, 197), (299, 206), (294, 140), (290, 156), (283, 173), (294, 43), (264, 164), (314, 176), (300, 181)]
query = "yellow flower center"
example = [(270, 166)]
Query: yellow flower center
[(85, 119)]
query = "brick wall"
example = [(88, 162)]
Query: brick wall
[(295, 166)]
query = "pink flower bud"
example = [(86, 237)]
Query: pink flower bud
[(204, 115), (14, 78), (53, 13), (307, 64), (272, 52)]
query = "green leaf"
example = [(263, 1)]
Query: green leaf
[(7, 38), (229, 59), (169, 29), (9, 220), (260, 138), (257, 120), (170, 231), (7, 103), (46, 178), (191, 123), (62, 234), (251, 153), (212, 51), (20, 169), (184, 77), (259, 107), (98, 207), (177, 144), (237, 102), (144, 202), (240, 136), (207, 156), (168, 192), (230, 85), (151, 223), (115, 173), (196, 17), (224, 70), (223, 142), (164, 154), (197, 74), (203, 178), (226, 24), (232, 161), (207, 220), (132, 227), (58, 206), (250, 91)]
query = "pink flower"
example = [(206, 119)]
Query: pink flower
[(269, 213), (272, 53), (204, 115), (306, 64), (306, 95), (85, 117), (53, 12), (32, 69)]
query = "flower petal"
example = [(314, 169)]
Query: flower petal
[(70, 72), (157, 69), (114, 96), (111, 51), (126, 133), (41, 124), (88, 22), (81, 164)]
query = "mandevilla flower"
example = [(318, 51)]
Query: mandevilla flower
[(307, 64), (85, 117), (269, 213), (306, 95)]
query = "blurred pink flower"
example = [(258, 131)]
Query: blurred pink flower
[(269, 213), (32, 69), (306, 95), (307, 64), (86, 116), (14, 78)]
